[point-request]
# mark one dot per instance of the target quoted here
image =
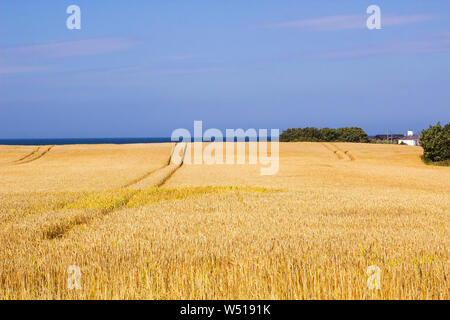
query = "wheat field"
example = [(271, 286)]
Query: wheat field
[(141, 227)]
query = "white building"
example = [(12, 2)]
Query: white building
[(410, 139)]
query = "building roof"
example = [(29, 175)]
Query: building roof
[(414, 137), (385, 136)]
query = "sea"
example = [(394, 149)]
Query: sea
[(68, 141)]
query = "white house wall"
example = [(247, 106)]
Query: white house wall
[(408, 142)]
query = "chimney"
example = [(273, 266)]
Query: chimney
[(410, 133)]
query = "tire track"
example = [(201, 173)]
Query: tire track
[(337, 153), (135, 181), (28, 155), (145, 176), (37, 157), (178, 166), (57, 230), (346, 152), (350, 155), (21, 159), (161, 176), (161, 170)]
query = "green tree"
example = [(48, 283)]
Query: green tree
[(435, 142), (328, 134), (352, 134)]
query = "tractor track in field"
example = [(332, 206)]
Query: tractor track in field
[(40, 155), (28, 155), (178, 166), (346, 152), (18, 161), (337, 153), (57, 232), (145, 176), (155, 171)]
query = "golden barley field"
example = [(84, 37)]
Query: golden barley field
[(141, 227)]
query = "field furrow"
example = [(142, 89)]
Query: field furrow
[(337, 153), (35, 156), (347, 153), (28, 155)]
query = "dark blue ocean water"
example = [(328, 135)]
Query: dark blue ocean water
[(40, 142), (64, 141)]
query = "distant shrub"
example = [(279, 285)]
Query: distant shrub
[(435, 142), (311, 134)]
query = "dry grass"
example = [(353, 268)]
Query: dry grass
[(11, 154), (224, 231), (83, 167)]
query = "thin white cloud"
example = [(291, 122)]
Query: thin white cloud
[(391, 20), (181, 57), (348, 22), (190, 71), (341, 22), (20, 59), (403, 47), (20, 69), (69, 48)]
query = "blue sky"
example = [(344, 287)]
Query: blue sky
[(144, 68)]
